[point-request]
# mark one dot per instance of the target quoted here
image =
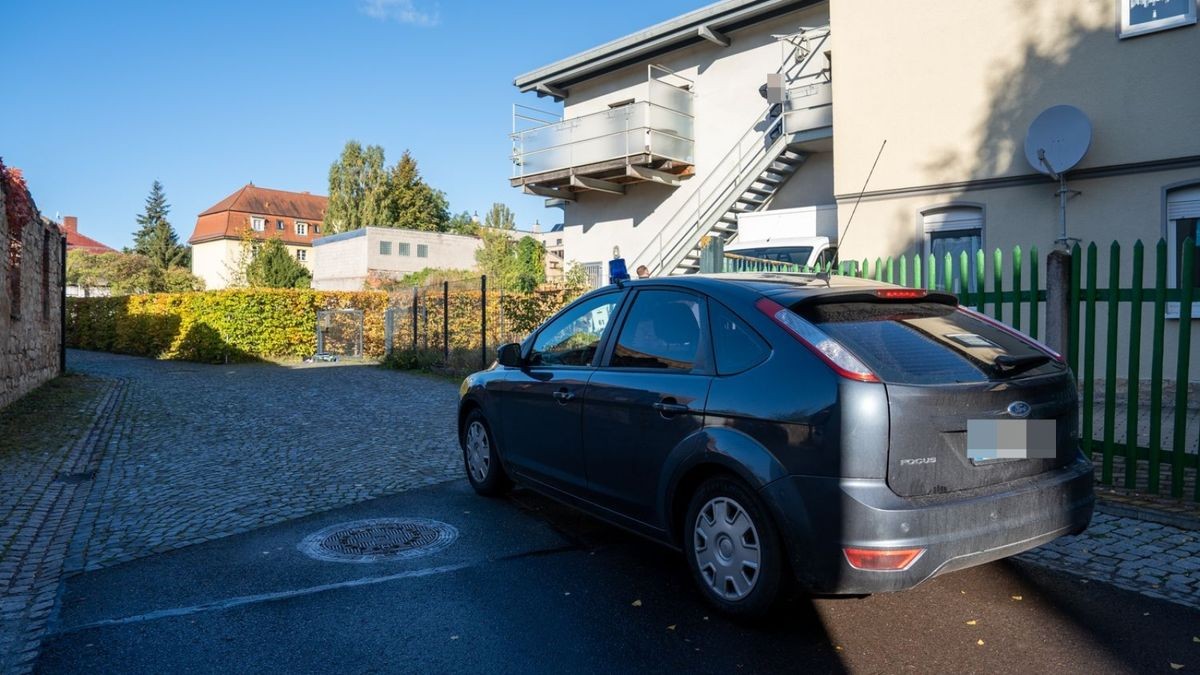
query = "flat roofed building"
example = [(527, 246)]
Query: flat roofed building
[(345, 261)]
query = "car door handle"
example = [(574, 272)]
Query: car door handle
[(563, 395), (669, 407)]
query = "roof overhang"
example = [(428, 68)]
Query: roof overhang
[(707, 24)]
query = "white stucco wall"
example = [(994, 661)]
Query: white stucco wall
[(343, 262), (727, 103), (212, 261)]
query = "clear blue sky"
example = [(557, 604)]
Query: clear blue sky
[(101, 98)]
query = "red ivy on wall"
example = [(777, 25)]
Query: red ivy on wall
[(18, 207)]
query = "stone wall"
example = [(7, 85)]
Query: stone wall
[(31, 329)]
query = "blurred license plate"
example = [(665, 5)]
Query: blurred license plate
[(1011, 439)]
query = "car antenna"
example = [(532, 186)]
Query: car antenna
[(850, 220)]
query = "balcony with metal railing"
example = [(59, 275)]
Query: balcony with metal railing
[(647, 140)]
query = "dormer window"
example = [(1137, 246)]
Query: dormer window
[(258, 224), (301, 229)]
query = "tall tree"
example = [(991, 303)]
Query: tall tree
[(463, 223), (412, 203), (530, 264), (357, 189), (274, 267), (500, 217), (364, 191), (162, 247), (155, 213)]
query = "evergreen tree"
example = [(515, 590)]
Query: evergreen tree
[(412, 203), (274, 267), (161, 246), (155, 213)]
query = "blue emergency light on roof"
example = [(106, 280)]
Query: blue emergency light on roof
[(616, 271)]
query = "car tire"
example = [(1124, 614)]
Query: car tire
[(481, 457), (733, 548)]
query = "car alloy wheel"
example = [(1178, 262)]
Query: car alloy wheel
[(479, 451), (727, 548)]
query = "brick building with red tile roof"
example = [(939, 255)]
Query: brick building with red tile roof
[(293, 217), (77, 241)]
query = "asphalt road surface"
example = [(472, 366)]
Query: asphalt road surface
[(530, 586)]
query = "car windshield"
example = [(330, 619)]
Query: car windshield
[(795, 255), (926, 342)]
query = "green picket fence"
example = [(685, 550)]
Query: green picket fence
[(1012, 292)]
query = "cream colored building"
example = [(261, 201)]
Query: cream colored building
[(345, 261), (258, 214), (750, 92)]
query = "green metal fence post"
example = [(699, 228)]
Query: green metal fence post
[(980, 278), (998, 281), (903, 270), (1156, 365), (1133, 374), (917, 271), (1073, 325), (931, 273), (1035, 304), (1186, 283), (1089, 352), (1110, 361), (1016, 288), (964, 278)]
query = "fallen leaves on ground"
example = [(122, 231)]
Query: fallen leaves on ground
[(1176, 666), (972, 622), (637, 603), (1018, 597), (979, 642)]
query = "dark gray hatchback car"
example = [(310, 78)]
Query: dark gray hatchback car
[(852, 436)]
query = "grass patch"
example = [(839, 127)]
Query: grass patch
[(50, 416)]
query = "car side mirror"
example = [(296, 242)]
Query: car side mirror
[(509, 355)]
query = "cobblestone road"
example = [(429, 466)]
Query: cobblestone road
[(206, 451), (180, 453)]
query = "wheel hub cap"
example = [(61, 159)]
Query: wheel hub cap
[(726, 547), (479, 455)]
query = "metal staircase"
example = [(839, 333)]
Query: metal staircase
[(743, 181)]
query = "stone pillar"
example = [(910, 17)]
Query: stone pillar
[(1058, 300)]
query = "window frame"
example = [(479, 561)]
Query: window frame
[(382, 245), (302, 254), (622, 297), (928, 230), (403, 248), (301, 228), (422, 250), (705, 364), (258, 223), (1169, 233), (769, 349)]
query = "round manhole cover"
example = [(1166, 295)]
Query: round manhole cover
[(379, 539)]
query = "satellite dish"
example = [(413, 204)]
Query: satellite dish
[(1058, 139)]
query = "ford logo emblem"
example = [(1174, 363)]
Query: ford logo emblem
[(1019, 409)]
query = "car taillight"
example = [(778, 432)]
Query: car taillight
[(829, 350), (900, 293), (1015, 333), (882, 559)]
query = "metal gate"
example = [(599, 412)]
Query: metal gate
[(339, 334)]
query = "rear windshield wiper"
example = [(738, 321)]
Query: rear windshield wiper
[(1011, 365)]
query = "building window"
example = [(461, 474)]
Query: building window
[(385, 248), (595, 272), (1183, 217), (422, 251), (258, 224), (954, 230), (301, 229), (301, 254), (279, 224), (317, 228), (403, 248)]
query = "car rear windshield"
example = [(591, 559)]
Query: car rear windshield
[(795, 255), (926, 342)]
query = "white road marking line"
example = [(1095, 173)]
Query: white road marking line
[(263, 597)]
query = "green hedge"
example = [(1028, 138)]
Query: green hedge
[(218, 326)]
